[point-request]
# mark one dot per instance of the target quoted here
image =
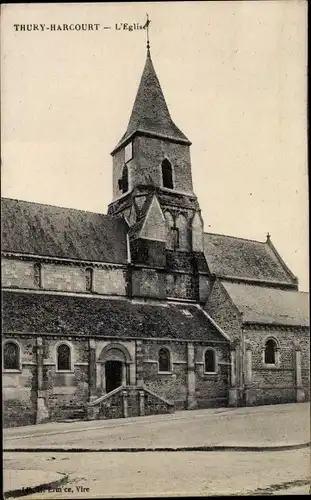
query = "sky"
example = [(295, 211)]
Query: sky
[(234, 75)]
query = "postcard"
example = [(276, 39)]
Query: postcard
[(155, 304)]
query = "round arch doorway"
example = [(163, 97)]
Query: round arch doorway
[(115, 361)]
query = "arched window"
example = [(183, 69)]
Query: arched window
[(270, 352), (63, 357), (124, 181), (89, 279), (209, 361), (167, 175), (11, 356), (164, 360)]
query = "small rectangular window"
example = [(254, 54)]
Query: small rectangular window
[(37, 275), (89, 279)]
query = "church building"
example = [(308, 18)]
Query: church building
[(140, 311)]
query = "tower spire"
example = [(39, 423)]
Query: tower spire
[(150, 114)]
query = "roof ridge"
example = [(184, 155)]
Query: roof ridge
[(236, 237), (224, 282), (57, 206)]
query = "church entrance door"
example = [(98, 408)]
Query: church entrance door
[(113, 372)]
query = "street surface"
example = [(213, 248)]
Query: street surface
[(173, 473), (269, 425), (168, 473)]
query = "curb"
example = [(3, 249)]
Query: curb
[(28, 490), (285, 447)]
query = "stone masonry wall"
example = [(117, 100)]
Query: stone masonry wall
[(110, 281), (221, 309), (270, 385), (118, 164), (60, 277), (66, 391), (150, 154), (183, 286), (154, 406), (63, 278), (173, 385), (148, 283), (19, 388), (17, 273), (212, 389)]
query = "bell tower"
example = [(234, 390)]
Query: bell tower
[(153, 150), (152, 184)]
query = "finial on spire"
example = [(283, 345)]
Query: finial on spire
[(268, 236), (146, 27)]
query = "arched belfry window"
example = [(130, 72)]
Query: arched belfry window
[(124, 181), (11, 356), (167, 174), (270, 352), (63, 358), (164, 360), (210, 361)]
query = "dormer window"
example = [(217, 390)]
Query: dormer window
[(167, 174), (128, 152)]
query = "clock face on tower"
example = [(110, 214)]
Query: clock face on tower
[(128, 152)]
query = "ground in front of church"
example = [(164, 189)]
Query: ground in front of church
[(102, 474)]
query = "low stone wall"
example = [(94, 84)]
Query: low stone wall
[(17, 413), (155, 405), (112, 407), (270, 396)]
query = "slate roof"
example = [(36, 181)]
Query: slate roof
[(45, 230), (150, 112), (228, 256), (73, 315), (270, 305)]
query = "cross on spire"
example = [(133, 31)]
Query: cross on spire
[(147, 30)]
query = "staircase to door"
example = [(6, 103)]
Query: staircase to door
[(128, 401)]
